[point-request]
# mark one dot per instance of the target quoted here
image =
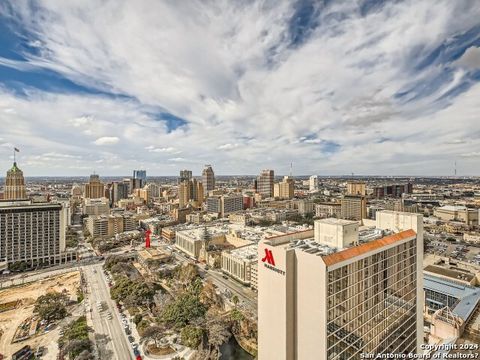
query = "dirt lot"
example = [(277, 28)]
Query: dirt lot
[(27, 294)]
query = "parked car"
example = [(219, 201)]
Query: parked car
[(131, 339)]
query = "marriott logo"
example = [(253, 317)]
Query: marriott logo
[(269, 262), (269, 257)]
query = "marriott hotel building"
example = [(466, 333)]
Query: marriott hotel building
[(348, 291)]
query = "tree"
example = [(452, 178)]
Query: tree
[(85, 355), (235, 300), (186, 274), (51, 306), (191, 336), (75, 341), (218, 334), (137, 318), (181, 311), (76, 347), (209, 296), (154, 333)]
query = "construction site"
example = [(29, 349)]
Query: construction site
[(20, 327)]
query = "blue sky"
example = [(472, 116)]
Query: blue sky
[(370, 87)]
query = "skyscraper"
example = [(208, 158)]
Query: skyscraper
[(119, 191), (138, 180), (330, 294), (140, 174), (15, 184), (184, 194), (94, 189), (313, 183), (265, 183), (208, 178), (185, 175)]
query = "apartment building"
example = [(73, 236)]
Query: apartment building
[(353, 207), (33, 233)]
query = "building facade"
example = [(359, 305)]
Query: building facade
[(328, 210), (284, 189), (313, 183), (354, 207), (356, 188), (15, 184), (265, 183), (94, 189), (238, 263), (208, 178), (32, 233), (324, 302)]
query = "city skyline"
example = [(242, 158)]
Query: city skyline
[(370, 88)]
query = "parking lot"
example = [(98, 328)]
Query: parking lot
[(453, 250)]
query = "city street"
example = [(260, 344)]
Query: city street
[(244, 294), (110, 339)]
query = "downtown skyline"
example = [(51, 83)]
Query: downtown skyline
[(370, 88)]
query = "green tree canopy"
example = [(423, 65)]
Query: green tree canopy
[(51, 306)]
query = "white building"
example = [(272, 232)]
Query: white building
[(313, 183), (238, 262)]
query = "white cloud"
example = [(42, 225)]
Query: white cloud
[(229, 69), (227, 146), (107, 140)]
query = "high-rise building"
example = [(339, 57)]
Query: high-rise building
[(356, 188), (265, 183), (141, 175), (284, 189), (225, 204), (200, 193), (354, 207), (313, 183), (208, 178), (185, 175), (94, 189), (184, 194), (33, 233), (341, 294), (119, 191), (15, 184)]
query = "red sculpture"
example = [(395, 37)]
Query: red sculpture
[(147, 238)]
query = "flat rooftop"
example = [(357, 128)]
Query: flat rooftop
[(249, 252), (450, 272), (334, 221), (468, 296)]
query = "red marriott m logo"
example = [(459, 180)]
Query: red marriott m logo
[(269, 257)]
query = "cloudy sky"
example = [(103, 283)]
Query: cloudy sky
[(335, 87)]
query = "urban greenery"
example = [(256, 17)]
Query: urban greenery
[(51, 306), (75, 341)]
